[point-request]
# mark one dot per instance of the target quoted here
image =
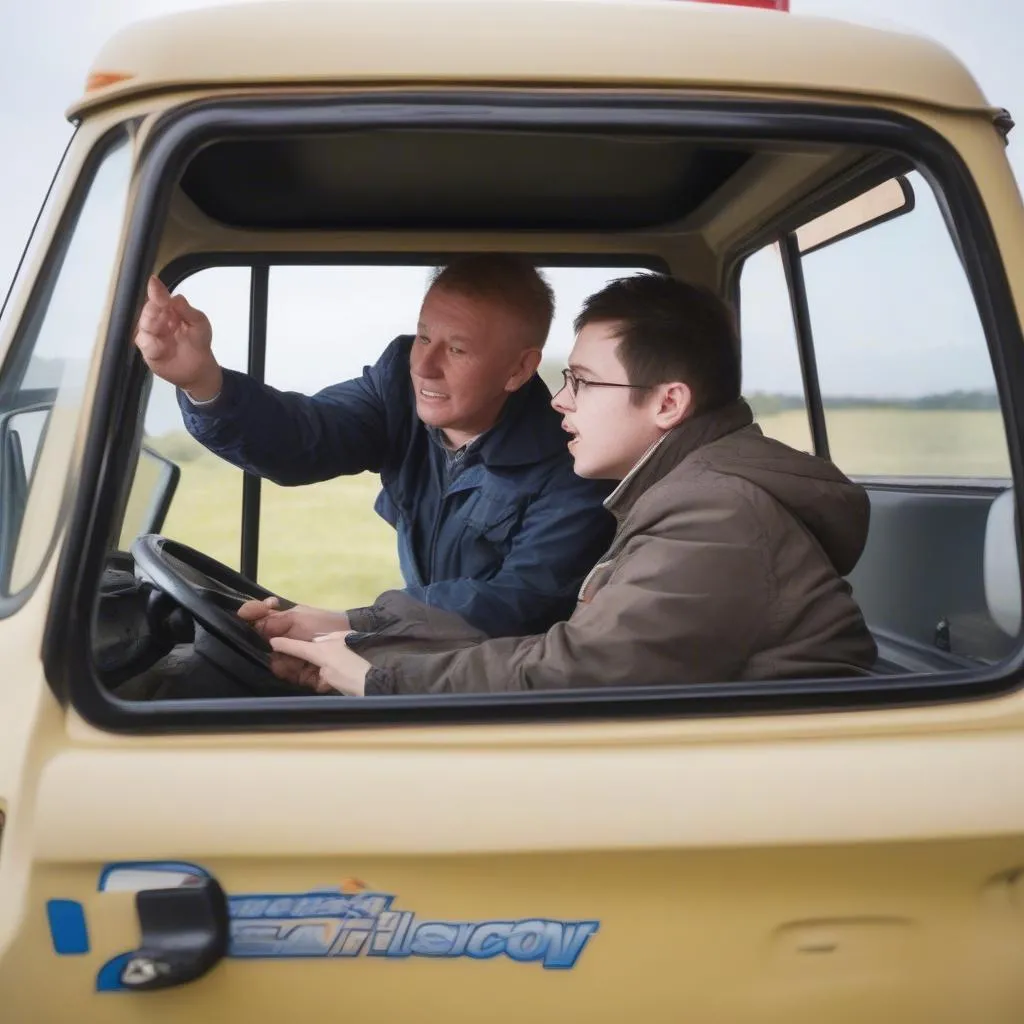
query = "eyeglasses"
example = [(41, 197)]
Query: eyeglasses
[(573, 383)]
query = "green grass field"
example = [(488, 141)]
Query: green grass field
[(321, 544), (324, 544), (905, 442)]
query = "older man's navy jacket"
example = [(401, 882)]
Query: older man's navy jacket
[(502, 535)]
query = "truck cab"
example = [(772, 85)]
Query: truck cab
[(798, 850)]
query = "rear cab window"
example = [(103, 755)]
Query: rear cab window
[(907, 403)]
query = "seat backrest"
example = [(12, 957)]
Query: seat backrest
[(1002, 564)]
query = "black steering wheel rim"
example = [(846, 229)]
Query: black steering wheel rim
[(155, 557)]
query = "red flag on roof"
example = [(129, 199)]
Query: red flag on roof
[(768, 5)]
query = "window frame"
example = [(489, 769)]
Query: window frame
[(180, 133)]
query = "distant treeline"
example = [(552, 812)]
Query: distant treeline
[(180, 447), (766, 403)]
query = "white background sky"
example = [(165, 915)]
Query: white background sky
[(46, 47)]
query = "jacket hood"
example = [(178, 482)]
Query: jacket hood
[(831, 507)]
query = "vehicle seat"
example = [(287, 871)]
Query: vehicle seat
[(1002, 564)]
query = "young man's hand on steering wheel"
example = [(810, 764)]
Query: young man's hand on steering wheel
[(298, 623)]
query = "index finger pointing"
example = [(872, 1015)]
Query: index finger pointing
[(156, 291)]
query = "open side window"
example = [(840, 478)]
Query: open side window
[(708, 155)]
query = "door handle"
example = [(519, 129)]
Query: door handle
[(185, 933), (184, 920)]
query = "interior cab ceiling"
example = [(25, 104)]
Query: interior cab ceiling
[(458, 180)]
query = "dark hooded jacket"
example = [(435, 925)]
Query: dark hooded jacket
[(728, 563)]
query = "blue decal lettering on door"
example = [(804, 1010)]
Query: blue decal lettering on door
[(331, 923)]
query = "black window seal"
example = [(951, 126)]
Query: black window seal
[(794, 273), (105, 463), (19, 353), (252, 485)]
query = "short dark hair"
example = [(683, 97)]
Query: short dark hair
[(507, 278), (670, 331)]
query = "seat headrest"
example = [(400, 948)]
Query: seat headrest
[(1002, 564)]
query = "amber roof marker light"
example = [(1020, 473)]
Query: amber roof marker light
[(101, 79)]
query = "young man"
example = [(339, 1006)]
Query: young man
[(492, 522), (729, 556)]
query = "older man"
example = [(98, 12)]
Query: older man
[(492, 522)]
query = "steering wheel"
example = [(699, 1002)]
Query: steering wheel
[(208, 590)]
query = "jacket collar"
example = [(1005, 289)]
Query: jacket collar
[(670, 449)]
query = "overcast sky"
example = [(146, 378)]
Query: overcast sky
[(46, 47)]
